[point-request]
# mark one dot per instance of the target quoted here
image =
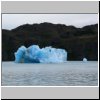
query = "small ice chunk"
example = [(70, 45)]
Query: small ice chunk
[(84, 60)]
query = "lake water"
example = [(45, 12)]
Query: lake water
[(70, 73)]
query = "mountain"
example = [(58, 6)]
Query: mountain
[(78, 42)]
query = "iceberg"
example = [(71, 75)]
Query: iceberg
[(84, 60), (35, 54)]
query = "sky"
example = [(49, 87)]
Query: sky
[(11, 21)]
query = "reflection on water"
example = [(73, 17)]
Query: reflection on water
[(59, 74)]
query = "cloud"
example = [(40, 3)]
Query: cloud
[(10, 21)]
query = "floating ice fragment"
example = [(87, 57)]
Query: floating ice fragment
[(34, 54), (84, 59)]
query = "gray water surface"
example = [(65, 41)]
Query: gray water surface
[(71, 73)]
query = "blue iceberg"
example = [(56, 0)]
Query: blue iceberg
[(35, 54)]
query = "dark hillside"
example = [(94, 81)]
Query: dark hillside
[(79, 42)]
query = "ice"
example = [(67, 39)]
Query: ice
[(35, 54), (84, 60), (19, 55)]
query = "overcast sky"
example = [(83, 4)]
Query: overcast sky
[(10, 21)]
